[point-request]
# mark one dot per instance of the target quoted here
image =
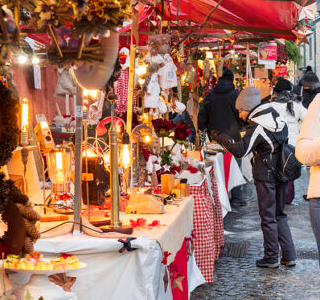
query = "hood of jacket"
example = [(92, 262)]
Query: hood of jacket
[(266, 116), (286, 97), (224, 86)]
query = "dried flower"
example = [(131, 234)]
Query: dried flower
[(162, 127), (181, 132)]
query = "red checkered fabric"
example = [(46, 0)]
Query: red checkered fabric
[(122, 86), (208, 235), (203, 230), (218, 219)]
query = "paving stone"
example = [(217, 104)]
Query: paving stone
[(239, 278)]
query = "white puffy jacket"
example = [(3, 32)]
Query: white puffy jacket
[(308, 146), (293, 122)]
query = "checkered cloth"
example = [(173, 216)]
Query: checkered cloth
[(208, 227), (218, 218), (122, 87)]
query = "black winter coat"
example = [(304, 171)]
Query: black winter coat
[(219, 111), (308, 95), (266, 130)]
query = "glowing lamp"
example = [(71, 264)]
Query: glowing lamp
[(141, 70), (147, 139), (93, 94), (209, 55), (89, 153), (22, 59), (125, 155), (24, 122), (35, 60), (59, 169)]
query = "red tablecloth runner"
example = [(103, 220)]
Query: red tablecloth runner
[(208, 227)]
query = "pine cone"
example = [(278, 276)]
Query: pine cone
[(28, 212), (28, 245), (32, 230)]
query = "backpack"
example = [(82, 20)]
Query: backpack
[(288, 166)]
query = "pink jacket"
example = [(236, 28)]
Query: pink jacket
[(308, 146)]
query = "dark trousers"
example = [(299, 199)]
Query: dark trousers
[(274, 222)]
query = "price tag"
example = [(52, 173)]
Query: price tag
[(78, 111)]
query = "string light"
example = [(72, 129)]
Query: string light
[(22, 59), (35, 60), (90, 93)]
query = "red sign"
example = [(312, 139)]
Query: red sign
[(280, 71), (268, 51)]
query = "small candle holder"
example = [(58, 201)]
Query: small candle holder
[(59, 169)]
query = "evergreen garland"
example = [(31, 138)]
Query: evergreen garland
[(9, 130), (292, 52)]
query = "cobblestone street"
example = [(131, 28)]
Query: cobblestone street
[(237, 277)]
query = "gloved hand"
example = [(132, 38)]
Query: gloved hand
[(220, 137)]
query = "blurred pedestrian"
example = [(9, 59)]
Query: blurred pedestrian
[(308, 153), (286, 103), (264, 135), (311, 87)]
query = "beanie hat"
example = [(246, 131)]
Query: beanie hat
[(248, 99), (309, 79), (283, 85), (227, 74)]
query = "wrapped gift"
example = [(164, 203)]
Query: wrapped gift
[(167, 183), (176, 193), (184, 189)]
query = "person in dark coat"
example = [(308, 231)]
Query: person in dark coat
[(311, 87), (263, 136), (219, 112)]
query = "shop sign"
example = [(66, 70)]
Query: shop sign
[(267, 52), (280, 71)]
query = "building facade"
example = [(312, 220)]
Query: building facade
[(311, 53)]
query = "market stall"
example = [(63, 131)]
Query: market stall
[(133, 205)]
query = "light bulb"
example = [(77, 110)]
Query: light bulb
[(141, 70), (59, 161), (147, 139), (35, 60), (88, 153), (22, 59), (209, 55), (24, 121), (125, 157)]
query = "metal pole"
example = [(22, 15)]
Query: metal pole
[(78, 166), (114, 178)]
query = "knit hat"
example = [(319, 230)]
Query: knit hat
[(248, 98), (227, 74), (283, 85), (309, 79)]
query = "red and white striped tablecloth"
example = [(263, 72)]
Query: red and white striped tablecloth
[(208, 234)]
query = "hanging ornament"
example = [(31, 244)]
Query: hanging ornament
[(301, 36)]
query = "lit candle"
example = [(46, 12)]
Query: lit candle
[(59, 161), (24, 122)]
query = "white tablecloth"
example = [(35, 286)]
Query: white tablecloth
[(136, 275), (235, 179)]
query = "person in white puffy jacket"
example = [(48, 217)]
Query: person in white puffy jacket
[(289, 106), (308, 153)]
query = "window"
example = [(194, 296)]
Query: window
[(310, 49)]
